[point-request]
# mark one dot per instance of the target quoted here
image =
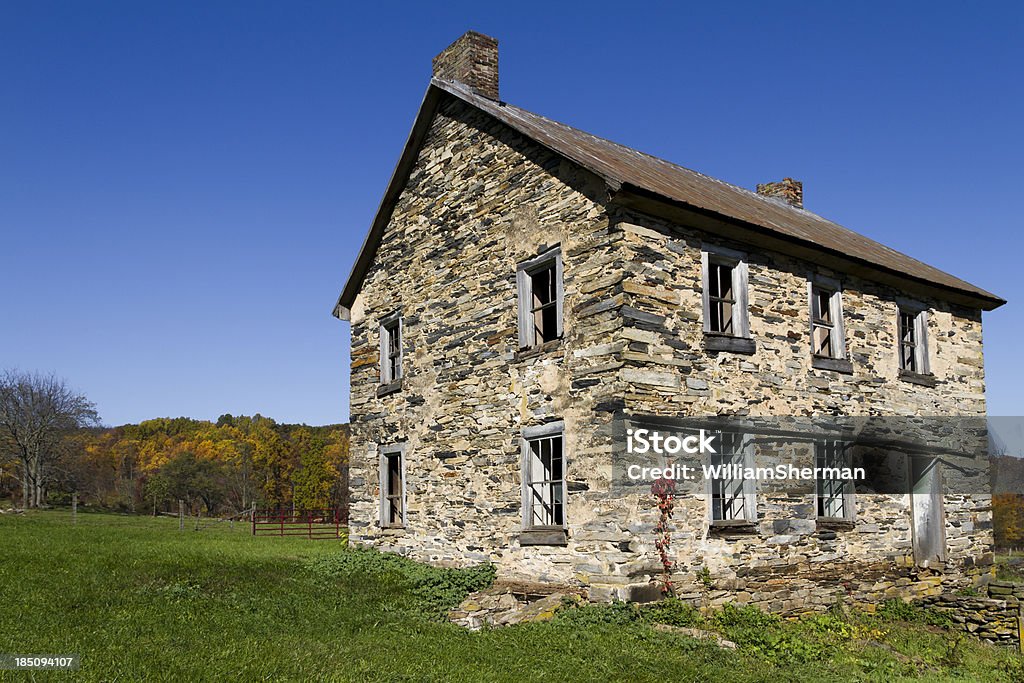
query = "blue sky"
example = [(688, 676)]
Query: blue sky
[(184, 186)]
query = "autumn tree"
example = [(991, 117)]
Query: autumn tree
[(253, 460), (320, 454), (192, 479), (37, 412)]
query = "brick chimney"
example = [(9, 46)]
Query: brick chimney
[(473, 61), (789, 190)]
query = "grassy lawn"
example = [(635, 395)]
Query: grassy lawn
[(139, 600)]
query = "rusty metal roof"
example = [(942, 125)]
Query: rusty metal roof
[(624, 167)]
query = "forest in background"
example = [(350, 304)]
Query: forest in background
[(217, 468)]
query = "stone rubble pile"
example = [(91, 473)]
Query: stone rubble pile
[(504, 604), (997, 619)]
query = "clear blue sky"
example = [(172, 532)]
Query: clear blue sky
[(184, 185)]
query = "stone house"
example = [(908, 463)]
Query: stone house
[(525, 286)]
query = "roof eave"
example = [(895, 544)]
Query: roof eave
[(975, 298)]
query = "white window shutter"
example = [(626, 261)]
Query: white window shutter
[(401, 474), (382, 478), (749, 485), (525, 477), (385, 373), (921, 325), (739, 282), (849, 500), (705, 278), (401, 348), (525, 295), (559, 293), (839, 328)]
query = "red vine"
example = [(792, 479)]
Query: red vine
[(664, 491)]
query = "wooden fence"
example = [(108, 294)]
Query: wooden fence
[(308, 523)]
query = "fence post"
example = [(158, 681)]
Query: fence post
[(74, 507), (181, 515), (309, 524), (253, 515), (281, 517)]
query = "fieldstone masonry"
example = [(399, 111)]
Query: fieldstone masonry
[(482, 198), (997, 619)]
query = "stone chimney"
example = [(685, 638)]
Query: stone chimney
[(789, 190), (473, 61)]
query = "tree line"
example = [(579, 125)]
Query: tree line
[(1008, 501), (52, 445)]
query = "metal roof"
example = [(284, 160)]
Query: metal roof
[(624, 167)]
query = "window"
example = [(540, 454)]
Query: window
[(725, 292), (733, 496), (391, 349), (913, 341), (539, 282), (827, 329), (834, 496), (543, 471), (721, 298), (392, 486)]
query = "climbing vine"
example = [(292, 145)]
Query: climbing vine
[(664, 491)]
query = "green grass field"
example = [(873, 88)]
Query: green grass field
[(139, 600)]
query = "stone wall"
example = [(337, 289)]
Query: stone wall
[(668, 372), (481, 199), (997, 619)]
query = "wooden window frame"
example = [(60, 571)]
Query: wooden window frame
[(837, 325), (745, 452), (543, 534), (737, 261), (391, 365), (919, 329), (822, 459), (386, 454), (550, 258)]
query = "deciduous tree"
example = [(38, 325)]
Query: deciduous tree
[(37, 412)]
